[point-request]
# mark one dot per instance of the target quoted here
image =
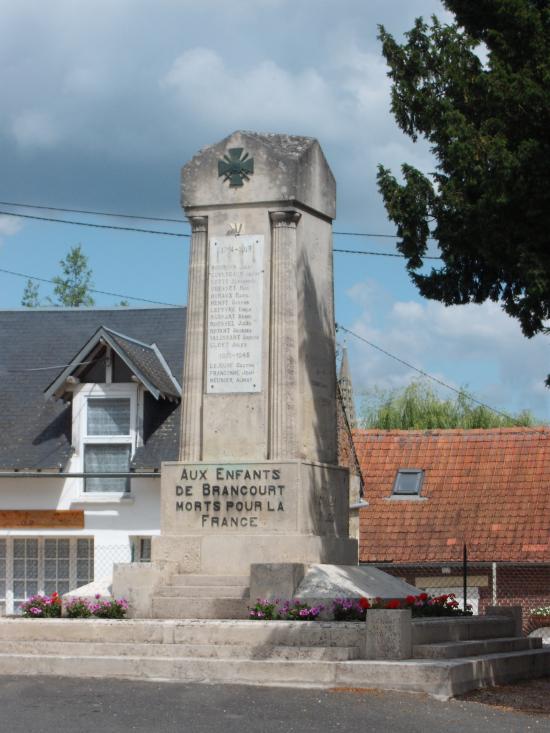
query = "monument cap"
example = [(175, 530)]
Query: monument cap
[(260, 168)]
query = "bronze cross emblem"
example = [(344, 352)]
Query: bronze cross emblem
[(235, 167)]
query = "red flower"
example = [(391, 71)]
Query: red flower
[(394, 603), (410, 600), (364, 603), (423, 597)]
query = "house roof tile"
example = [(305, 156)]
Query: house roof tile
[(486, 488)]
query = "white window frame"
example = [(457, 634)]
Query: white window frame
[(9, 600), (82, 394)]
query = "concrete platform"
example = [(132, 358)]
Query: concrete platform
[(280, 653)]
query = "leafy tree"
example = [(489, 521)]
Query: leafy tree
[(488, 125), (30, 297), (419, 407), (72, 288)]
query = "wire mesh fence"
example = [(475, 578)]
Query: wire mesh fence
[(487, 584)]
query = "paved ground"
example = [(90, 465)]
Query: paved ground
[(531, 696), (40, 705)]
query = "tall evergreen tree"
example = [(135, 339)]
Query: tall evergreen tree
[(487, 204)]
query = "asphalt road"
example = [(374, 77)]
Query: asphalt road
[(60, 705)]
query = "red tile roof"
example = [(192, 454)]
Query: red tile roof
[(488, 488)]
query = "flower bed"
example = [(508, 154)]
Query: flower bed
[(42, 606), (294, 610), (356, 609)]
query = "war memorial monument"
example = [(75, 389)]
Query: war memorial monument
[(256, 505), (257, 491)]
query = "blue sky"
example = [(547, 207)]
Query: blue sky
[(103, 103)]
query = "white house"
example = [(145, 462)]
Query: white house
[(89, 407)]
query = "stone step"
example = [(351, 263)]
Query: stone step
[(184, 631), (202, 580), (456, 649), (433, 630), (193, 651), (200, 608), (204, 591), (442, 678)]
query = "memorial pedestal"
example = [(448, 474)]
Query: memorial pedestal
[(230, 515)]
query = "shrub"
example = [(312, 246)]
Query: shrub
[(42, 606)]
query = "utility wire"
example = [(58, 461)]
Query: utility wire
[(379, 254), (54, 366), (95, 213), (96, 226), (92, 290), (181, 234), (425, 374), (161, 218)]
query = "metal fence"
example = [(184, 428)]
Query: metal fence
[(487, 584)]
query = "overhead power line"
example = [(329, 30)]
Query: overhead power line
[(379, 254), (92, 290), (181, 234), (425, 374), (96, 226), (93, 212)]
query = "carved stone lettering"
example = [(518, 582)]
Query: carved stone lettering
[(235, 296), (230, 496)]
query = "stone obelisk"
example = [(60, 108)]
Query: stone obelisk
[(257, 479)]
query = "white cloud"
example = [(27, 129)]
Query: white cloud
[(35, 129), (263, 96), (474, 345), (9, 225)]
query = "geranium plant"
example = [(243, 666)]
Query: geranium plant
[(78, 608), (350, 609), (297, 610), (42, 606), (108, 608), (264, 610), (443, 605)]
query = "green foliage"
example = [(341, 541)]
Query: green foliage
[(419, 407), (31, 294), (488, 202), (72, 288)]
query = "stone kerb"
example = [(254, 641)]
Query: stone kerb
[(512, 612), (389, 634)]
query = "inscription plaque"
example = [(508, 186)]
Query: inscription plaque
[(232, 497), (235, 298)]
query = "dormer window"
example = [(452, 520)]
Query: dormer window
[(408, 482), (108, 380), (105, 433)]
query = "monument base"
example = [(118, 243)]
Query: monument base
[(219, 519)]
